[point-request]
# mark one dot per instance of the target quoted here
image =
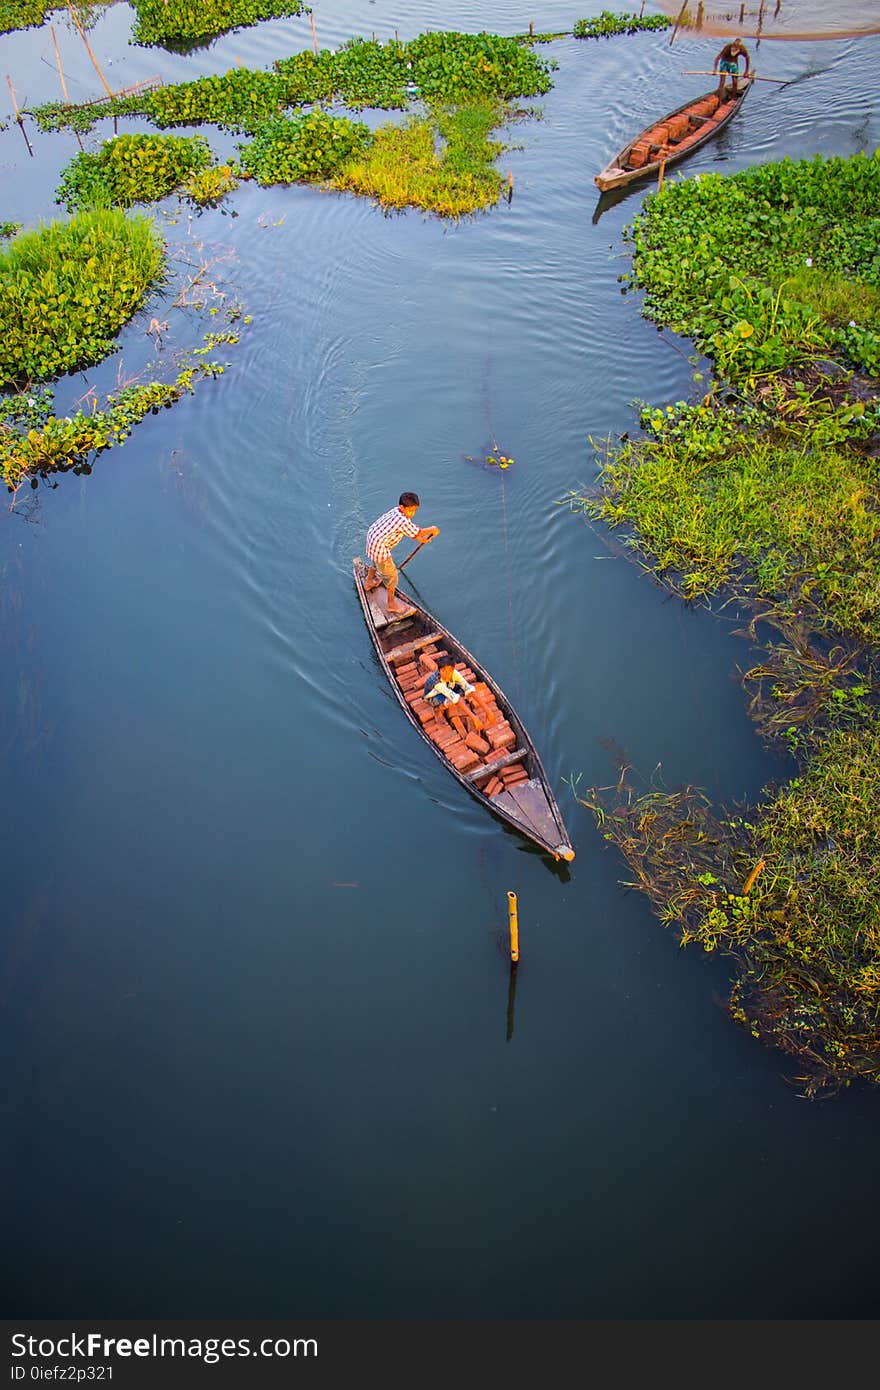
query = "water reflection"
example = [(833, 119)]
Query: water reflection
[(776, 19)]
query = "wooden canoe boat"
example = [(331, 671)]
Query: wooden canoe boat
[(506, 774), (671, 139)]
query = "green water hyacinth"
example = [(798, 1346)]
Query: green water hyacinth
[(447, 67), (309, 148), (607, 24), (67, 288), (132, 169), (785, 254), (181, 22), (23, 14)]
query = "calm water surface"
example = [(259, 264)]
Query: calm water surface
[(252, 971)]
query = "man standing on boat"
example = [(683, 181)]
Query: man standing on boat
[(383, 536), (728, 62)]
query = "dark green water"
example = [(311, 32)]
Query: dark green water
[(252, 969)]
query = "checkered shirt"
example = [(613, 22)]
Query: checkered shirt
[(386, 531)]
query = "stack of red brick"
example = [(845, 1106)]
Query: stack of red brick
[(678, 132), (460, 739)]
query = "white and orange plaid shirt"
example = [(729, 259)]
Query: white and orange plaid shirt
[(385, 533)]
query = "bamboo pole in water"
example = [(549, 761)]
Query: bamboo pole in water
[(60, 68), (18, 115), (82, 33), (677, 22)]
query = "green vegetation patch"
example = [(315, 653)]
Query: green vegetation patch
[(188, 21), (771, 492), (792, 892), (132, 169), (441, 162), (23, 14), (34, 441), (448, 67), (8, 229), (208, 187), (309, 147), (725, 496), (240, 100), (404, 167), (753, 241), (67, 289), (607, 24), (29, 14)]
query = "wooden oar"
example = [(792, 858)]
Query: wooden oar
[(752, 77), (411, 554)]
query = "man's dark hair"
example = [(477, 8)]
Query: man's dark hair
[(409, 499)]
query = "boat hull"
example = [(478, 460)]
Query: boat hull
[(525, 800), (700, 130)]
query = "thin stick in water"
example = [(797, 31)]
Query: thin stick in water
[(60, 68), (107, 88)]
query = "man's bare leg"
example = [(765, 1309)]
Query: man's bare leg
[(372, 580), (391, 606)]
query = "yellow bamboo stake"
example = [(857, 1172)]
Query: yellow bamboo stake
[(82, 33), (60, 68), (14, 102), (677, 23), (314, 31), (18, 116), (513, 923), (661, 173)]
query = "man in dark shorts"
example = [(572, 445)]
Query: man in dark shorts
[(727, 65)]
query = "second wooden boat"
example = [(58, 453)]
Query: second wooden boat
[(499, 763), (667, 141)]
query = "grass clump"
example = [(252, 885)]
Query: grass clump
[(67, 288), (403, 166), (608, 23), (187, 22), (8, 229), (132, 169), (208, 187), (721, 497)]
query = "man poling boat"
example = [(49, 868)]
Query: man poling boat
[(673, 137)]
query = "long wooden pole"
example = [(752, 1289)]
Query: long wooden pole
[(18, 114), (752, 77), (14, 102), (107, 88), (60, 68), (314, 31), (411, 554), (677, 22)]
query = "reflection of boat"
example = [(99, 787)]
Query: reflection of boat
[(609, 199), (668, 140), (499, 766)]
